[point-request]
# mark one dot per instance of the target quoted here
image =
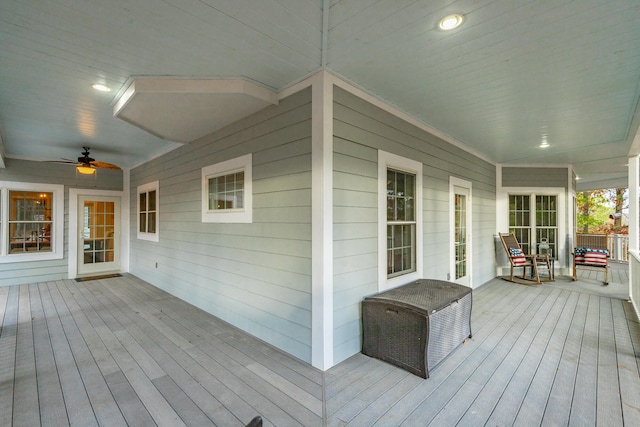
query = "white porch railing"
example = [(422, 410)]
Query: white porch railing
[(618, 245)]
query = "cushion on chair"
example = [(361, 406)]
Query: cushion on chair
[(579, 255), (596, 256), (517, 257)]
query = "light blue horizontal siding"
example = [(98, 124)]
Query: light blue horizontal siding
[(16, 273), (535, 177), (360, 130), (255, 276)]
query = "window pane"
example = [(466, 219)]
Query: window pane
[(239, 199), (391, 208), (227, 192), (400, 249), (152, 200), (143, 222), (30, 221), (143, 202), (401, 188), (400, 178), (240, 181), (152, 223)]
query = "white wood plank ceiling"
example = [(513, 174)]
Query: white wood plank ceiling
[(516, 73)]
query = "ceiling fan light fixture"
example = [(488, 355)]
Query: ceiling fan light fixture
[(100, 87), (450, 22), (85, 170)]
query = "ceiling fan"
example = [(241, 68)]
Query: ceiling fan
[(87, 165)]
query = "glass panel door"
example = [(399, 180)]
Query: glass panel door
[(461, 235), (98, 234)]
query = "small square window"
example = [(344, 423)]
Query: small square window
[(227, 191)]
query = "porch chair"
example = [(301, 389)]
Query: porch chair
[(591, 252), (517, 258)]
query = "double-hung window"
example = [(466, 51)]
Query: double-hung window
[(148, 216), (227, 191), (31, 221), (400, 219)]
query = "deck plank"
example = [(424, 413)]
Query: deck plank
[(627, 335), (280, 389), (500, 332), (186, 320), (135, 373), (189, 412), (8, 344), (608, 404), (75, 395), (518, 365), (485, 321), (507, 408), (583, 408), (177, 365), (559, 402), (102, 402), (50, 394), (129, 402), (26, 409), (496, 365), (554, 354)]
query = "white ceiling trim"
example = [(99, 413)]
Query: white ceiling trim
[(185, 109)]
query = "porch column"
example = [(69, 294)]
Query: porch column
[(322, 221), (634, 221), (634, 232)]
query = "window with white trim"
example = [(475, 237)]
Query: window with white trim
[(400, 219), (31, 221), (532, 218), (227, 191), (148, 215)]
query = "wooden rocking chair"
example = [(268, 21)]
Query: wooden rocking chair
[(517, 258)]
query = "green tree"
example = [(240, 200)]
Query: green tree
[(600, 211), (593, 210)]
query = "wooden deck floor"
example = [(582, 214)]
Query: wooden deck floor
[(121, 352)]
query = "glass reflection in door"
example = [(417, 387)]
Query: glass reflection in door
[(98, 229)]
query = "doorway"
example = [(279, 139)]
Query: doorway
[(98, 222), (460, 192)]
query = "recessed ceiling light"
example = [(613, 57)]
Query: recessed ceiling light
[(101, 87), (544, 144), (450, 22)]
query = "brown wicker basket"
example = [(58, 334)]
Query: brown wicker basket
[(417, 325)]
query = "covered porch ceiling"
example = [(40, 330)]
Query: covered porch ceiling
[(515, 75)]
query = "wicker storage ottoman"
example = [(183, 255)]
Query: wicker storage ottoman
[(417, 325)]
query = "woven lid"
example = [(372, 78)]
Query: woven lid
[(425, 295)]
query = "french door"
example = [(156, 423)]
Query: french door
[(461, 233), (98, 234), (534, 219)]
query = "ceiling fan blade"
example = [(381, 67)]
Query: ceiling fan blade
[(63, 161), (104, 165)]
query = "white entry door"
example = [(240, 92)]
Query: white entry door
[(461, 235), (98, 234)]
